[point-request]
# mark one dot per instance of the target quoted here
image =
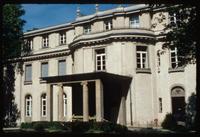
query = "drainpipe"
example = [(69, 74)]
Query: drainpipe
[(131, 107)]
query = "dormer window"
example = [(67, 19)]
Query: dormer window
[(45, 42), (174, 19), (87, 29), (108, 25), (134, 21), (62, 38)]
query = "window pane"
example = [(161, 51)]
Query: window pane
[(62, 67), (28, 75), (44, 70)]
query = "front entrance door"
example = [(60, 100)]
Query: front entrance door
[(178, 103)]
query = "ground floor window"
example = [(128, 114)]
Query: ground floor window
[(65, 104), (44, 105), (28, 104)]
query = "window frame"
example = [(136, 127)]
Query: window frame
[(62, 60), (175, 57), (101, 55), (87, 29), (28, 108), (141, 53), (62, 38), (64, 104), (134, 23), (42, 63), (45, 41), (44, 99), (26, 73), (109, 24), (160, 104)]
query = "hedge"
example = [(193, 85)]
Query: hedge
[(76, 126)]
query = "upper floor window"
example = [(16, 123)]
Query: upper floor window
[(142, 61), (134, 21), (175, 58), (30, 44), (158, 60), (108, 25), (61, 67), (44, 105), (28, 72), (44, 69), (174, 19), (65, 104), (45, 42), (100, 60), (62, 38), (28, 104), (87, 29)]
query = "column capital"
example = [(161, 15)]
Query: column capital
[(84, 83), (60, 85)]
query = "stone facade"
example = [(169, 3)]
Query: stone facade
[(148, 97)]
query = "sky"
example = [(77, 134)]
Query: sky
[(44, 15)]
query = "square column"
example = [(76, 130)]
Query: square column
[(99, 101), (60, 103), (49, 102), (85, 101)]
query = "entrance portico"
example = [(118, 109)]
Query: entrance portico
[(102, 82)]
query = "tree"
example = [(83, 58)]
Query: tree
[(12, 34), (182, 33)]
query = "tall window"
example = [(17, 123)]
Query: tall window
[(28, 104), (45, 42), (134, 21), (62, 38), (61, 67), (44, 69), (108, 25), (44, 105), (87, 29), (158, 61), (142, 61), (28, 72), (100, 60), (30, 44), (65, 104), (174, 58), (160, 105), (174, 19)]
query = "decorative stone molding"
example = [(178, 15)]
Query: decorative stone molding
[(143, 70), (173, 70)]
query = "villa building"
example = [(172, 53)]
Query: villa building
[(108, 66)]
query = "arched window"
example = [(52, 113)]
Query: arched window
[(28, 104), (44, 105), (65, 104)]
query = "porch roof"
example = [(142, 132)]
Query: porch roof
[(104, 76)]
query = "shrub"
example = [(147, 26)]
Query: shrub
[(26, 125), (39, 126), (169, 122)]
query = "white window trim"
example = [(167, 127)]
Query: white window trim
[(176, 57), (141, 59), (64, 104), (109, 24), (101, 61), (62, 38), (134, 23), (45, 42), (28, 108), (44, 98), (87, 29)]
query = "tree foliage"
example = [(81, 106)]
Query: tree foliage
[(12, 40)]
